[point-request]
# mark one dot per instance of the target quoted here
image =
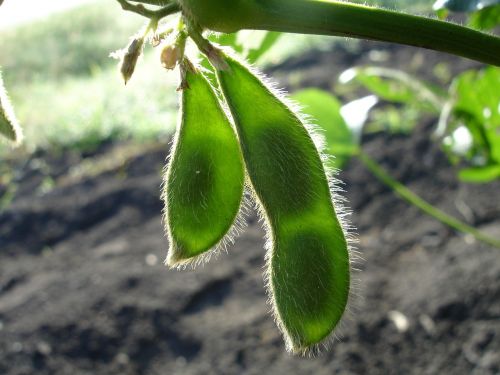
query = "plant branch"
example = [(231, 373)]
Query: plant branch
[(341, 18), (154, 2), (421, 204), (157, 14)]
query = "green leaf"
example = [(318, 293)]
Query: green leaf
[(477, 105), (252, 44), (270, 38), (392, 119), (480, 174), (230, 40), (395, 86), (324, 108), (442, 13), (485, 19), (464, 5)]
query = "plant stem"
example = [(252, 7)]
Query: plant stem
[(157, 14), (153, 2), (329, 17), (421, 204)]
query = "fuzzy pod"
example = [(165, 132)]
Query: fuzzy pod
[(308, 255), (9, 126), (204, 182)]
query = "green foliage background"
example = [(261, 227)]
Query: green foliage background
[(67, 91)]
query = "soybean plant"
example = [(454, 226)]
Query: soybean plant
[(241, 130)]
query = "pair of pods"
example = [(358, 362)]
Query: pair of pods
[(308, 271)]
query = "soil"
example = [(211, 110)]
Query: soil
[(83, 288)]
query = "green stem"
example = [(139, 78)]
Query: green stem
[(421, 204), (156, 14), (328, 17), (153, 2)]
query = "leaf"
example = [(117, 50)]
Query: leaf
[(324, 108), (477, 105), (392, 119), (395, 86), (464, 5), (9, 126), (485, 19), (252, 44), (480, 174), (270, 38), (485, 14), (229, 40), (356, 113)]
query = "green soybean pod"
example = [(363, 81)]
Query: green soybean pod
[(308, 256), (204, 182), (9, 126)]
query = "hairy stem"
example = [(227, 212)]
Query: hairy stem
[(329, 17), (421, 204)]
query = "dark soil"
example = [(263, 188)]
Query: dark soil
[(83, 289)]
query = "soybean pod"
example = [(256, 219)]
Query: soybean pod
[(205, 178), (308, 258)]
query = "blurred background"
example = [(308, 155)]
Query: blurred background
[(83, 288)]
